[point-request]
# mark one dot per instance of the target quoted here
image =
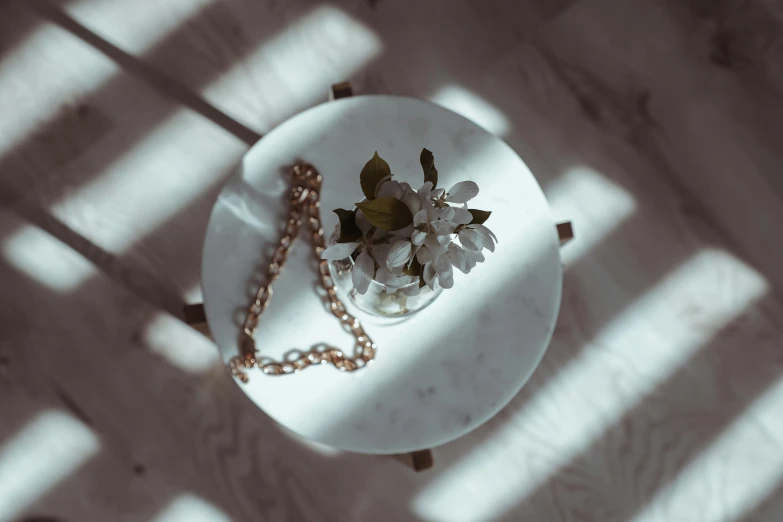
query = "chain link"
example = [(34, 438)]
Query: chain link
[(304, 204)]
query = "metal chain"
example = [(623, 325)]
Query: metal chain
[(305, 204)]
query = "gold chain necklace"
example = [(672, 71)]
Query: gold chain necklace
[(304, 203)]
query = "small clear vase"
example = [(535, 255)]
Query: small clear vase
[(382, 301)]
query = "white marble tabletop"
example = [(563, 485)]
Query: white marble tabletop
[(437, 375)]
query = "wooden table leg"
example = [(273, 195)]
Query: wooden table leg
[(565, 232), (340, 90), (418, 460), (195, 317)]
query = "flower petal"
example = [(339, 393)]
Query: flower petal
[(441, 263), (446, 278), (484, 228), (390, 189), (424, 191), (462, 216), (486, 238), (443, 240), (397, 270), (363, 272), (383, 276), (399, 253), (432, 243), (447, 214), (417, 238), (474, 257), (411, 290), (432, 212), (442, 266), (381, 183), (379, 253), (391, 280), (429, 275), (403, 232), (425, 255), (470, 239), (413, 202), (339, 251), (420, 217), (437, 193), (458, 258), (462, 192), (362, 222), (444, 228)]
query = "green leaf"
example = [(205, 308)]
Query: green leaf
[(349, 232), (479, 216), (428, 164), (387, 213), (373, 172), (414, 269)]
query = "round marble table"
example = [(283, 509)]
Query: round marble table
[(437, 375)]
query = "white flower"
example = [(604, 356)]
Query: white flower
[(399, 254), (459, 258), (477, 237), (405, 193), (342, 250), (462, 192), (432, 234), (457, 215), (364, 267), (393, 189), (473, 258), (424, 195), (428, 239), (392, 279), (439, 268), (363, 272)]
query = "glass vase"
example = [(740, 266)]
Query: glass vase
[(382, 301)]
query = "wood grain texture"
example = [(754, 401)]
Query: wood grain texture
[(652, 125)]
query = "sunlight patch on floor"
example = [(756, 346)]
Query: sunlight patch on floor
[(190, 508), (572, 197), (747, 455), (81, 69), (151, 183), (148, 186), (35, 106), (182, 346), (46, 259), (325, 46), (138, 29), (623, 363), (473, 107), (44, 453)]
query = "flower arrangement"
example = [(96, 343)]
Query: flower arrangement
[(398, 235)]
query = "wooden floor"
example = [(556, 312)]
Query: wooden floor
[(655, 125)]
